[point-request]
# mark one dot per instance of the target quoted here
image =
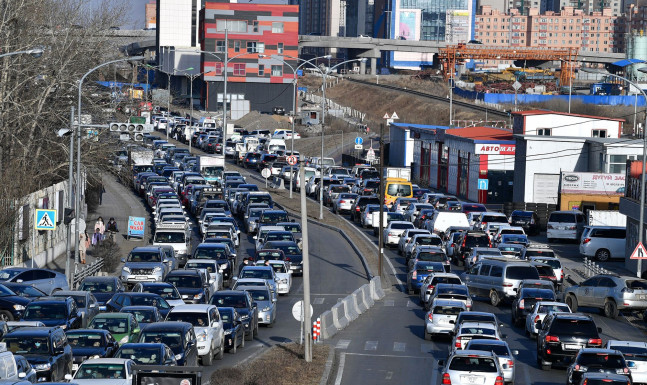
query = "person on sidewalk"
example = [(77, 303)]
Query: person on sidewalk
[(99, 225), (97, 237), (101, 191), (84, 241), (111, 228)]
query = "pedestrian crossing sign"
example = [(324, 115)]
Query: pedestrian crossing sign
[(45, 220)]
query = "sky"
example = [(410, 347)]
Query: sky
[(136, 17)]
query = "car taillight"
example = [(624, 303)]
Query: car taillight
[(510, 364), (342, 201), (392, 234), (356, 208), (498, 381), (570, 228), (430, 287), (521, 304), (446, 379), (430, 317), (536, 319), (586, 240), (595, 341), (552, 339), (458, 342), (414, 275), (453, 245)]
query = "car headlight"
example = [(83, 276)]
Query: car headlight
[(202, 337), (45, 366), (126, 269), (123, 340), (198, 296), (266, 308), (228, 332), (244, 316), (157, 269), (18, 307)]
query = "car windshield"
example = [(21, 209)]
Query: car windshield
[(27, 345), (237, 301), (545, 309), (260, 199), (279, 237), (574, 327), (23, 291), (146, 300), (522, 272), (195, 319), (113, 325), (513, 238), (473, 364), (479, 240), (144, 256), (289, 249), (209, 253), (256, 273), (402, 226), (637, 284), (142, 315), (100, 372), (78, 299), (494, 219), (433, 241), (278, 267), (84, 339), (634, 353), (478, 331), (274, 217), (142, 354), (208, 266), (259, 295), (452, 290), (54, 311), (165, 292), (169, 237), (184, 281), (554, 263), (601, 360), (98, 287), (172, 339), (263, 255), (450, 280), (540, 253), (499, 350), (7, 274), (396, 189)]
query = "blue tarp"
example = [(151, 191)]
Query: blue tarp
[(611, 100), (120, 85), (626, 62)]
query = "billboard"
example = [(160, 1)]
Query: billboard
[(457, 26), (591, 183), (408, 24), (494, 149)]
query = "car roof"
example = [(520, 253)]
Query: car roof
[(146, 248), (479, 353), (489, 341), (183, 272), (113, 361), (96, 331), (137, 307), (113, 315), (32, 330), (48, 299), (640, 344), (229, 292), (480, 324), (599, 351), (69, 292), (447, 302), (165, 325), (573, 316), (189, 308)]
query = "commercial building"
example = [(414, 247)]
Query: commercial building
[(569, 28), (261, 38), (151, 14), (590, 190), (617, 7)]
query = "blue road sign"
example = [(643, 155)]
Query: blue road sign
[(359, 140), (483, 184), (45, 220)]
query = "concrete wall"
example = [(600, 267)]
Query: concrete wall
[(564, 125)]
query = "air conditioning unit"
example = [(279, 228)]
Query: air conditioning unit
[(114, 127), (123, 127), (138, 137), (131, 127)]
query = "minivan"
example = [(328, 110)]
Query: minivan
[(498, 278), (442, 220), (565, 225), (603, 242)]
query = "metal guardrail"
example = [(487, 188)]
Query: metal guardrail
[(87, 271), (591, 268)]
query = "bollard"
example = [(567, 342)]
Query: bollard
[(318, 329), (314, 330)]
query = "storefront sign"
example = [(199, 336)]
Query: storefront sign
[(495, 149), (592, 183)]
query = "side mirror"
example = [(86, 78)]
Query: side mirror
[(123, 260), (68, 377), (274, 300), (19, 280), (93, 305), (515, 352), (255, 237)]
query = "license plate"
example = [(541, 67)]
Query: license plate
[(471, 379), (572, 347), (642, 297), (140, 278)]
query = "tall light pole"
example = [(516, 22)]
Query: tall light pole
[(168, 100), (642, 177), (77, 206), (294, 93), (192, 77), (323, 119), (35, 52), (68, 257)]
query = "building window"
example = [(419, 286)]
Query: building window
[(277, 70), (543, 131), (231, 26), (599, 133), (255, 47), (239, 69), (219, 69), (220, 46), (255, 26), (279, 48), (277, 27), (261, 70), (237, 46)]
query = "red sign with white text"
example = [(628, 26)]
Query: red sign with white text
[(495, 149)]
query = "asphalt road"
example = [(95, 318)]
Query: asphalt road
[(336, 272)]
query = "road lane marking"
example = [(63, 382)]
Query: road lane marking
[(399, 346), (386, 355), (342, 344), (370, 345), (389, 375), (318, 301), (389, 302), (340, 369)]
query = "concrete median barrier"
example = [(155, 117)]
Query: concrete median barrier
[(367, 297), (376, 288), (328, 328), (350, 307), (339, 319), (358, 300)]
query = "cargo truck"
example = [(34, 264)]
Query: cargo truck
[(211, 168), (398, 172)]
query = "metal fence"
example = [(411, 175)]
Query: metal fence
[(87, 271), (591, 268)]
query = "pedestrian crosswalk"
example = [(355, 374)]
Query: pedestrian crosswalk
[(333, 299), (395, 347)]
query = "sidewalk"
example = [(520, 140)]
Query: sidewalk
[(119, 202)]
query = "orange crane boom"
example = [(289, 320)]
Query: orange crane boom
[(451, 55)]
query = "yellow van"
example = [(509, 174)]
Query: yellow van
[(396, 188)]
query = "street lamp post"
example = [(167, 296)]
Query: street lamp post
[(168, 100), (68, 260), (642, 177), (77, 206), (192, 77), (35, 52)]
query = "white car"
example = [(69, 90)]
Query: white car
[(212, 269), (407, 235), (108, 371), (441, 317), (471, 367), (634, 351), (394, 230), (208, 329), (283, 276), (539, 312), (285, 134), (470, 330)]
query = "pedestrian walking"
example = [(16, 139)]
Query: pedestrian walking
[(84, 241), (97, 237), (99, 225), (101, 191), (242, 265)]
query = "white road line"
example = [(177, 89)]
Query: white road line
[(399, 346), (318, 301), (342, 344), (370, 345), (389, 302), (434, 375), (340, 368)]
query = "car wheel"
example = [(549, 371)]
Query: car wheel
[(207, 359), (6, 316), (427, 336), (256, 330), (495, 300), (611, 309), (572, 303), (242, 341), (602, 255), (221, 351), (250, 336)]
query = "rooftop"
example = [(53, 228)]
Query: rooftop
[(549, 112), (481, 133)]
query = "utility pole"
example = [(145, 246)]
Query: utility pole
[(70, 202), (307, 316), (380, 253)]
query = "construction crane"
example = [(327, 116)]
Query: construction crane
[(452, 55)]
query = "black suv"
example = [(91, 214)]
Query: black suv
[(11, 304), (596, 360), (360, 203), (179, 336), (54, 311), (246, 307), (192, 285), (529, 220), (470, 240), (562, 335), (46, 349), (120, 300), (526, 300)]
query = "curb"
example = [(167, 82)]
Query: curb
[(331, 364)]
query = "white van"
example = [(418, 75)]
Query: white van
[(442, 220), (603, 242), (274, 145), (565, 225), (176, 235)]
